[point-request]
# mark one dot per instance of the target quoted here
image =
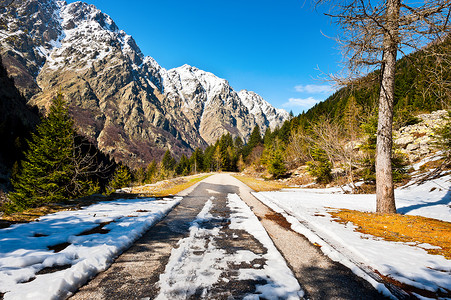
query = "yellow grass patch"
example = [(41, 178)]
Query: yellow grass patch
[(32, 214), (261, 185), (401, 228), (169, 187), (160, 189)]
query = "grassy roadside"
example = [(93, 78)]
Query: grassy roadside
[(414, 230), (169, 187), (160, 189), (261, 185), (31, 214)]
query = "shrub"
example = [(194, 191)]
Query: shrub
[(320, 167)]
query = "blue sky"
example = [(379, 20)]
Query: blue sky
[(271, 47)]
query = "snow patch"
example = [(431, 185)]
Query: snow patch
[(24, 248), (307, 211), (198, 264), (257, 106), (281, 281), (187, 272)]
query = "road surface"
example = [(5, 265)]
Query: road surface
[(211, 246)]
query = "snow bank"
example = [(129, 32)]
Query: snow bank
[(24, 248), (307, 211), (281, 282)]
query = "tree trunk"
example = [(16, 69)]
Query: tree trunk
[(384, 177)]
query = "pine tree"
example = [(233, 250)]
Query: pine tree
[(268, 138), (208, 159), (139, 175), (240, 163), (197, 160), (48, 172), (151, 171), (285, 132), (183, 167), (255, 139), (276, 165), (227, 155), (121, 178), (320, 167), (217, 159), (351, 117), (238, 142), (168, 161)]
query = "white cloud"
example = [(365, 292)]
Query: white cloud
[(314, 88), (297, 102)]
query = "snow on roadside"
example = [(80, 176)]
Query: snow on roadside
[(307, 211), (24, 248), (281, 281), (189, 272)]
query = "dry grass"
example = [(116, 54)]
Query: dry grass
[(432, 165), (169, 187), (160, 189), (279, 219), (261, 185), (401, 228), (32, 214)]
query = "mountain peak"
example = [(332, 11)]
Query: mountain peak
[(272, 117), (123, 101), (77, 13)]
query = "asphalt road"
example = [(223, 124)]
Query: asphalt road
[(136, 273)]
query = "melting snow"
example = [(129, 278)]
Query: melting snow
[(307, 211), (24, 248), (281, 281), (187, 272)]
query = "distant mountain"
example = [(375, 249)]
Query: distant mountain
[(126, 103), (265, 114)]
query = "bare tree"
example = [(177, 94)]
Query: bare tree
[(373, 32), (339, 147), (296, 152), (87, 165)]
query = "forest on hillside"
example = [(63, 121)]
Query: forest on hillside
[(337, 134)]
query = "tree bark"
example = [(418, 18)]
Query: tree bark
[(384, 177)]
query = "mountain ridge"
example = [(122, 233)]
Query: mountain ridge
[(124, 101)]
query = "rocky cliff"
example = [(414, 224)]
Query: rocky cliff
[(125, 102), (16, 122), (417, 141)]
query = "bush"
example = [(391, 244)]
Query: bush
[(276, 165), (121, 178), (320, 167)]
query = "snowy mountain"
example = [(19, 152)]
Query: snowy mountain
[(209, 103), (127, 103), (264, 113)]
